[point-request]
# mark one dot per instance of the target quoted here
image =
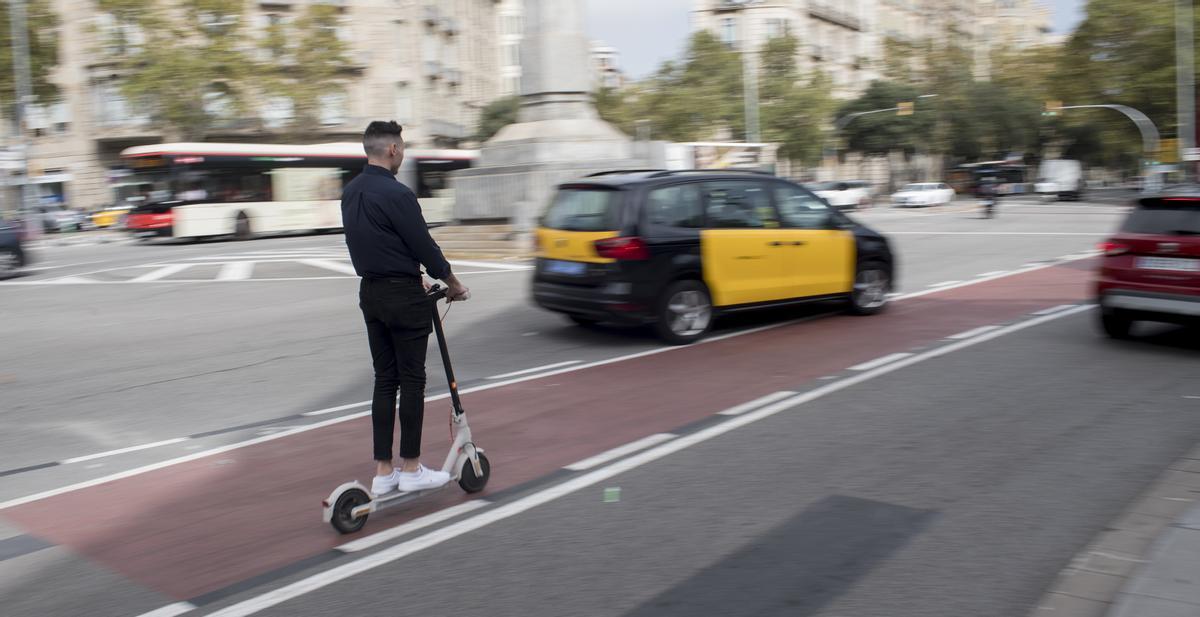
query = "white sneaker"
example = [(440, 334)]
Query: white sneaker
[(383, 485), (422, 479)]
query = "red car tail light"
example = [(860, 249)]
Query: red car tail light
[(1112, 248), (625, 249)]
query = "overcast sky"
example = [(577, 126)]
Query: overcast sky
[(647, 32)]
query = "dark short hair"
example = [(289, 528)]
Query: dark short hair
[(379, 135)]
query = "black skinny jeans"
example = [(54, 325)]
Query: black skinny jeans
[(399, 319)]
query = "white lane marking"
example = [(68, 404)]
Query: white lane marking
[(328, 265), (490, 264), (498, 384), (66, 280), (1191, 396), (971, 333), (619, 451), (536, 369), (524, 504), (236, 271), (943, 284), (992, 273), (171, 610), (1053, 309), (995, 233), (145, 446), (756, 403), (416, 524), (877, 362), (321, 412), (984, 279), (160, 273), (82, 280)]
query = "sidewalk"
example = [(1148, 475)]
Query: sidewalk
[(1168, 585), (1144, 564)]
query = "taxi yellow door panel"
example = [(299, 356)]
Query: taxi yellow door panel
[(742, 266), (818, 262), (571, 245), (740, 253), (820, 259)]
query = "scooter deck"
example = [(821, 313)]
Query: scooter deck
[(396, 498)]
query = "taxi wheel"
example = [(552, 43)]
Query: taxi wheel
[(685, 313), (872, 284)]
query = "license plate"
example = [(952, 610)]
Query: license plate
[(1178, 264), (568, 268)]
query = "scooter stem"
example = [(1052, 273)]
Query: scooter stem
[(441, 339)]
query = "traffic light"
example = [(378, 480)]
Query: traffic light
[(904, 108), (1052, 108)]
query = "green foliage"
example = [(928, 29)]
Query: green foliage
[(42, 23), (307, 61), (792, 113), (883, 133), (497, 115)]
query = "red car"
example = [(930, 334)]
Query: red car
[(1151, 267)]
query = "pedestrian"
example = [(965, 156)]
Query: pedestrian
[(389, 241)]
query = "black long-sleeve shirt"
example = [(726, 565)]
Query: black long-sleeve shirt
[(385, 231)]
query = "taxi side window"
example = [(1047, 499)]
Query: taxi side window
[(738, 204), (800, 210), (675, 206)]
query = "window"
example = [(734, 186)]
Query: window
[(728, 31), (1157, 217), (675, 206), (583, 210), (218, 104), (512, 54), (512, 84), (333, 109), (510, 25), (404, 106), (738, 204), (777, 28), (277, 112), (800, 210)]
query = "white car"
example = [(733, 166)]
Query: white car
[(923, 194), (847, 195)]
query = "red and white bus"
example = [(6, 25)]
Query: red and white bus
[(199, 190)]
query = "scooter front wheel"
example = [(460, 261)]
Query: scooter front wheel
[(472, 483), (343, 518)]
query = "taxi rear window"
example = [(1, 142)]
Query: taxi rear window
[(1170, 217), (584, 209)]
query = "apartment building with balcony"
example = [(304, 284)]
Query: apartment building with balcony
[(431, 65)]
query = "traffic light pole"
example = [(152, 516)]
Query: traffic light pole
[(1145, 125)]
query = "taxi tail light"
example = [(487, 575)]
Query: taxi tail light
[(1113, 248), (630, 248)]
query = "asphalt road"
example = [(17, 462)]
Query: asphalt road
[(951, 474)]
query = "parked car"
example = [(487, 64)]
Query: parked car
[(110, 216), (844, 195), (57, 218), (923, 194), (1151, 267), (12, 252), (677, 248)]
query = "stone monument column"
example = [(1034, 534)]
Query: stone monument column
[(558, 135)]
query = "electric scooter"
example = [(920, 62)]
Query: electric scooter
[(348, 506)]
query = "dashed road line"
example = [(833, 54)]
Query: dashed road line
[(878, 362), (972, 333), (618, 452), (160, 273), (536, 369), (756, 403)]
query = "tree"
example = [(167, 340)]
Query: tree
[(42, 24), (883, 133), (793, 113), (308, 57), (186, 71), (497, 115)]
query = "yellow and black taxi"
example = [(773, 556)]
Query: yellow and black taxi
[(677, 248)]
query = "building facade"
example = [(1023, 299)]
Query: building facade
[(430, 65), (511, 27), (606, 66), (847, 39)]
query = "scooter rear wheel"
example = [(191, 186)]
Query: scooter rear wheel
[(469, 481), (343, 518)]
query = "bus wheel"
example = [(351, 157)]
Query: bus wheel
[(241, 227)]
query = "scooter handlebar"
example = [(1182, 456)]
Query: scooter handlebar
[(438, 291)]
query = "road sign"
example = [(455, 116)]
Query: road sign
[(1052, 108), (1191, 154), (904, 108)]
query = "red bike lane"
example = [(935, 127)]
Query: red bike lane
[(200, 526)]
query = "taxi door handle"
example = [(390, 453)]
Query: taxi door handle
[(796, 243)]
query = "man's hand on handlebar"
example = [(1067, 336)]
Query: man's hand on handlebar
[(457, 292)]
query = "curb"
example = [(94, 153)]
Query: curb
[(1116, 558)]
